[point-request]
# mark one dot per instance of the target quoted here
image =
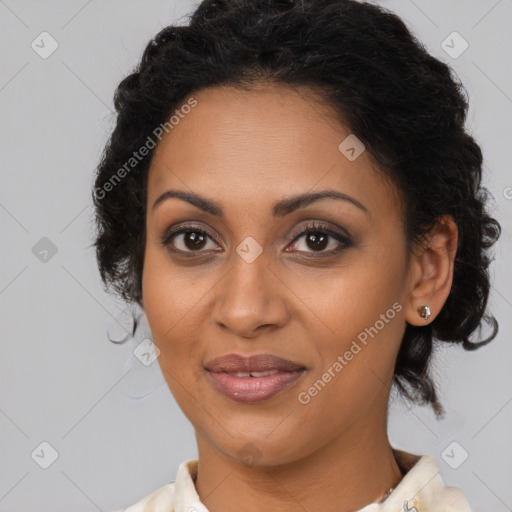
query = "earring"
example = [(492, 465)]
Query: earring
[(424, 312)]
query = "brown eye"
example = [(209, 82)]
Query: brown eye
[(187, 239), (317, 241), (318, 238), (194, 240)]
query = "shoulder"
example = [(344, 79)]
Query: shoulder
[(179, 495), (422, 488), (159, 500)]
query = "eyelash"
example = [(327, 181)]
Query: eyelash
[(312, 227)]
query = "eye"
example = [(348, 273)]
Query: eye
[(187, 239), (318, 237)]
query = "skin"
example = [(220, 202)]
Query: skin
[(246, 150)]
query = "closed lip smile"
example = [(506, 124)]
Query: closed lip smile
[(252, 379)]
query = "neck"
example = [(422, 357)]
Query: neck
[(353, 470)]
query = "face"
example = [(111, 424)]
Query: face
[(319, 282)]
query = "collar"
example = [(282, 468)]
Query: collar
[(420, 490)]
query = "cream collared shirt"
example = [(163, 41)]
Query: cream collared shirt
[(420, 490)]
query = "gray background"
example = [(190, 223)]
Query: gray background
[(115, 426)]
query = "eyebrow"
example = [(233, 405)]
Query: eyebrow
[(280, 209)]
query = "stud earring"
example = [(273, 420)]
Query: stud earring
[(424, 312)]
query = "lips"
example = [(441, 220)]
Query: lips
[(234, 363), (253, 379)]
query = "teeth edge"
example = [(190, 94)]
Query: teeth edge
[(255, 374)]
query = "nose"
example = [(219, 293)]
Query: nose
[(251, 299)]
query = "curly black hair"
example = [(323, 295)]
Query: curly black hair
[(407, 107)]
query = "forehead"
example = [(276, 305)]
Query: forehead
[(263, 143)]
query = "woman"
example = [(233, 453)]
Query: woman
[(291, 196)]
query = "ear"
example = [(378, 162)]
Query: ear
[(431, 271)]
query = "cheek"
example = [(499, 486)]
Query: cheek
[(360, 309), (157, 304), (169, 294), (351, 296), (172, 304)]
